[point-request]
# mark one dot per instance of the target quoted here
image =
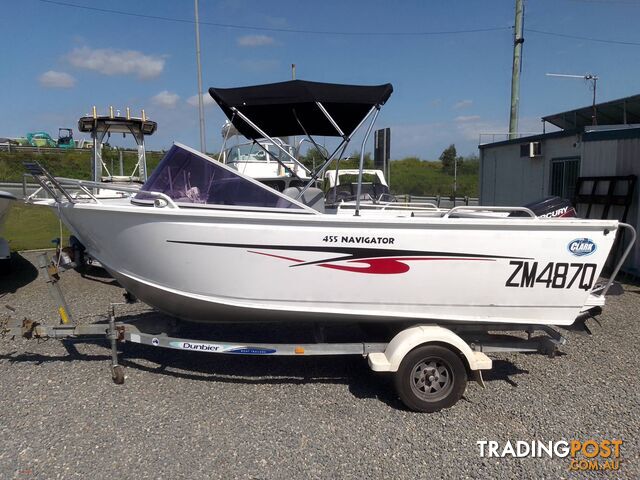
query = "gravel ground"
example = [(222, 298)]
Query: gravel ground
[(187, 415)]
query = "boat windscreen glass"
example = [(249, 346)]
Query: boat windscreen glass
[(190, 178)]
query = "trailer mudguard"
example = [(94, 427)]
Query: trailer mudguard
[(410, 338)]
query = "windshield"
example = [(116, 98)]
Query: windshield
[(188, 177)]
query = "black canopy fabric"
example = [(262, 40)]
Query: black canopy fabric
[(279, 108)]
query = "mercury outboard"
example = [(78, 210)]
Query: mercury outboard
[(550, 207)]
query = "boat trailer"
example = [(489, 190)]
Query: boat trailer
[(431, 362)]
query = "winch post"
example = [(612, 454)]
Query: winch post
[(117, 371), (52, 275)]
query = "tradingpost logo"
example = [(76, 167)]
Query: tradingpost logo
[(584, 455)]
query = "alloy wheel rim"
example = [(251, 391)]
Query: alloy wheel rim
[(431, 379)]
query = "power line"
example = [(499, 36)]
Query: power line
[(577, 37), (271, 29), (332, 32)]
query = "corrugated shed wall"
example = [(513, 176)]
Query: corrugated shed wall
[(599, 158), (555, 149), (616, 157), (508, 179)]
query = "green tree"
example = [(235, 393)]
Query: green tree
[(354, 159), (312, 157), (470, 166), (448, 157)]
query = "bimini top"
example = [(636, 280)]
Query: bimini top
[(291, 108)]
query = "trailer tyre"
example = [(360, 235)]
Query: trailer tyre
[(430, 378)]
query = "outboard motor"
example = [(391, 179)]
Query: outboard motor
[(550, 207)]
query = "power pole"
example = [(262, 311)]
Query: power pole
[(203, 146), (518, 40), (455, 180), (594, 115)]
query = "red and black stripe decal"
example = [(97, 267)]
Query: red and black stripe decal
[(361, 260)]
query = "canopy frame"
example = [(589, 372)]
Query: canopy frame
[(268, 96), (361, 165), (342, 146), (264, 135), (346, 139)]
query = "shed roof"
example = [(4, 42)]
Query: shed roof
[(622, 111)]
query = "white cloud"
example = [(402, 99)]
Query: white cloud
[(470, 127), (462, 104), (423, 140), (493, 130), (206, 98), (255, 41), (117, 62), (165, 99), (466, 118), (533, 126), (428, 140), (53, 79)]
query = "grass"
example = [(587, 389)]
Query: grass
[(31, 227), (70, 163)]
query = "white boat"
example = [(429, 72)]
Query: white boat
[(269, 161), (6, 199), (205, 242), (342, 185)]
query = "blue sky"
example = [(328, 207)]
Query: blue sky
[(58, 61)]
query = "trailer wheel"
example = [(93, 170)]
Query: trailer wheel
[(117, 374), (430, 378)]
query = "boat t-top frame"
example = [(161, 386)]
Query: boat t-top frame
[(102, 125), (299, 107)]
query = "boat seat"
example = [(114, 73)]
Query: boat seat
[(312, 197)]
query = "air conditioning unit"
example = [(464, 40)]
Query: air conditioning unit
[(535, 149)]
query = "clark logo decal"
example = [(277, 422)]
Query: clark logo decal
[(581, 247), (376, 261)]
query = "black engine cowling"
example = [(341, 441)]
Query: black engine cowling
[(549, 207)]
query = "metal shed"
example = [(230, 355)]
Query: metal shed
[(522, 170)]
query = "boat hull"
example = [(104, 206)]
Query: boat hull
[(220, 266), (6, 199)]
